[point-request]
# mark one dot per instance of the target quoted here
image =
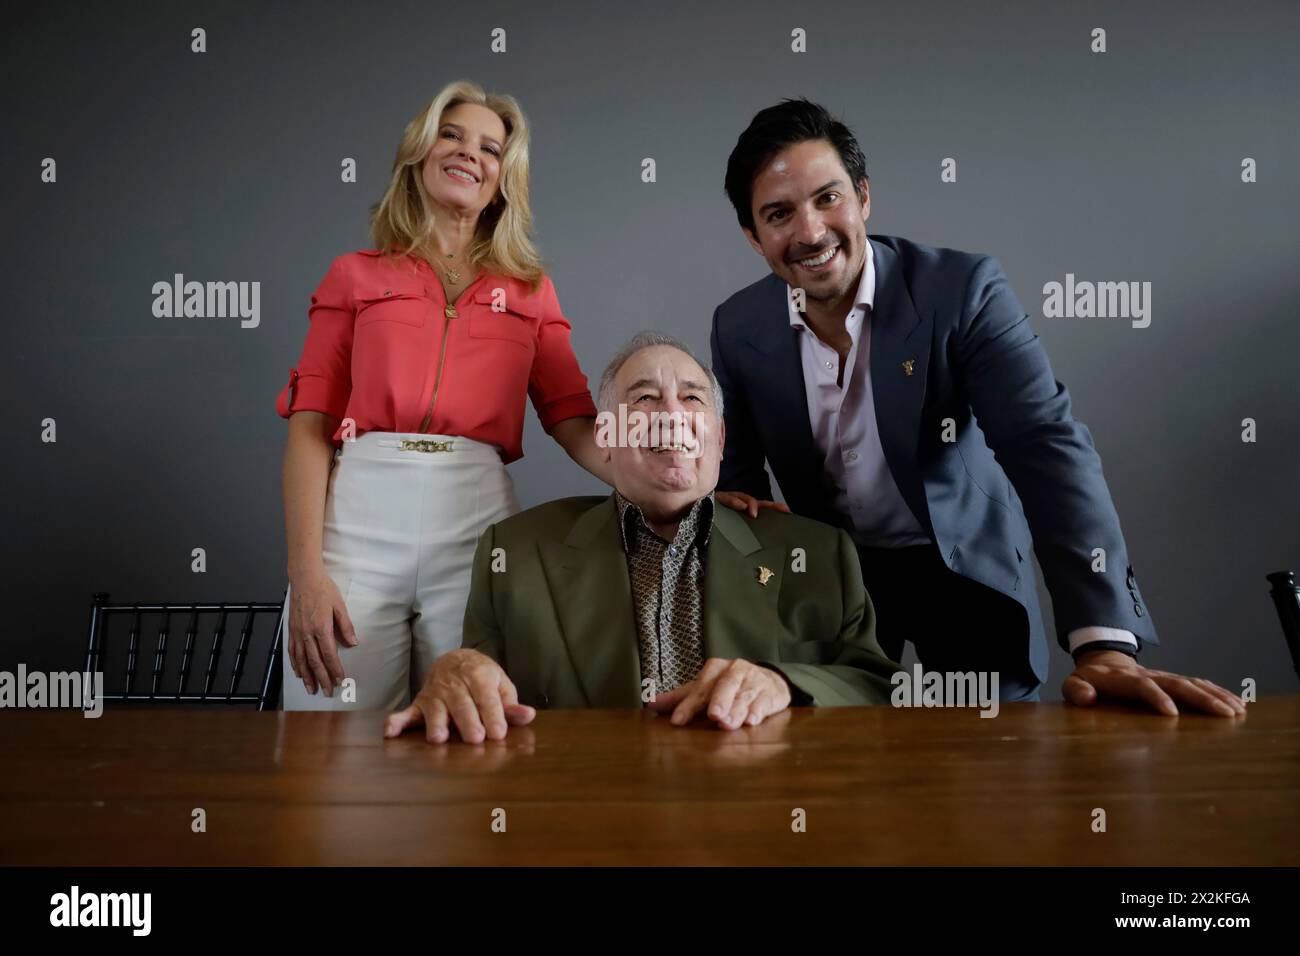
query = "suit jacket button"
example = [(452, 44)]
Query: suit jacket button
[(1137, 609)]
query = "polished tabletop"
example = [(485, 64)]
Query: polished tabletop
[(860, 786)]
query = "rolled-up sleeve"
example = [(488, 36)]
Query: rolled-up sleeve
[(556, 385), (322, 379)]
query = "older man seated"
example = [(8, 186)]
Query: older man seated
[(654, 596)]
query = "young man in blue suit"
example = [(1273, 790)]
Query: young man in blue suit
[(897, 391)]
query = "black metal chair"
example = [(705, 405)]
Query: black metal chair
[(1286, 598), (171, 680)]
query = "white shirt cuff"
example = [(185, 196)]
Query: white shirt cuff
[(1086, 635)]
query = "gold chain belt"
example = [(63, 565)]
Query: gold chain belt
[(410, 444)]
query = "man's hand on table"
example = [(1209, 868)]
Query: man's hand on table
[(1114, 675), (468, 689), (733, 694)]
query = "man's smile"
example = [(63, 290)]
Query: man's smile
[(820, 262)]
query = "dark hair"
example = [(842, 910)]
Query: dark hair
[(772, 130)]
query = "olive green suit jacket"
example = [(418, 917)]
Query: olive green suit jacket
[(551, 602)]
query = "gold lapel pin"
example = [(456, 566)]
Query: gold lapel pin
[(764, 575), (909, 366)]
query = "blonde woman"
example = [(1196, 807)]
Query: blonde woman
[(423, 350)]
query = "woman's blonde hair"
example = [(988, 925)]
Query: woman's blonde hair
[(401, 222)]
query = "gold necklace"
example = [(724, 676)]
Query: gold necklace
[(452, 274)]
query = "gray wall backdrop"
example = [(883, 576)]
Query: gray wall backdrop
[(225, 166)]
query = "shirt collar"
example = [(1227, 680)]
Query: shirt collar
[(866, 296), (631, 522)]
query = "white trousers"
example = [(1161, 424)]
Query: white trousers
[(401, 526)]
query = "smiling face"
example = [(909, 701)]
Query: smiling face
[(463, 168), (660, 479), (805, 210)]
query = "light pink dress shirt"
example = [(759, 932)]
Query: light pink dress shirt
[(843, 420)]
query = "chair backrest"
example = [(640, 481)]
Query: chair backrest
[(1286, 597), (153, 662)]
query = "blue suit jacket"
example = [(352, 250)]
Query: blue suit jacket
[(1020, 460)]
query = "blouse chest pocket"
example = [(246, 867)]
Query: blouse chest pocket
[(512, 320), (392, 300)]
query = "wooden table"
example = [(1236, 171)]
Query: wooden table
[(878, 786)]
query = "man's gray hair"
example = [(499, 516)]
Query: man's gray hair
[(608, 401)]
